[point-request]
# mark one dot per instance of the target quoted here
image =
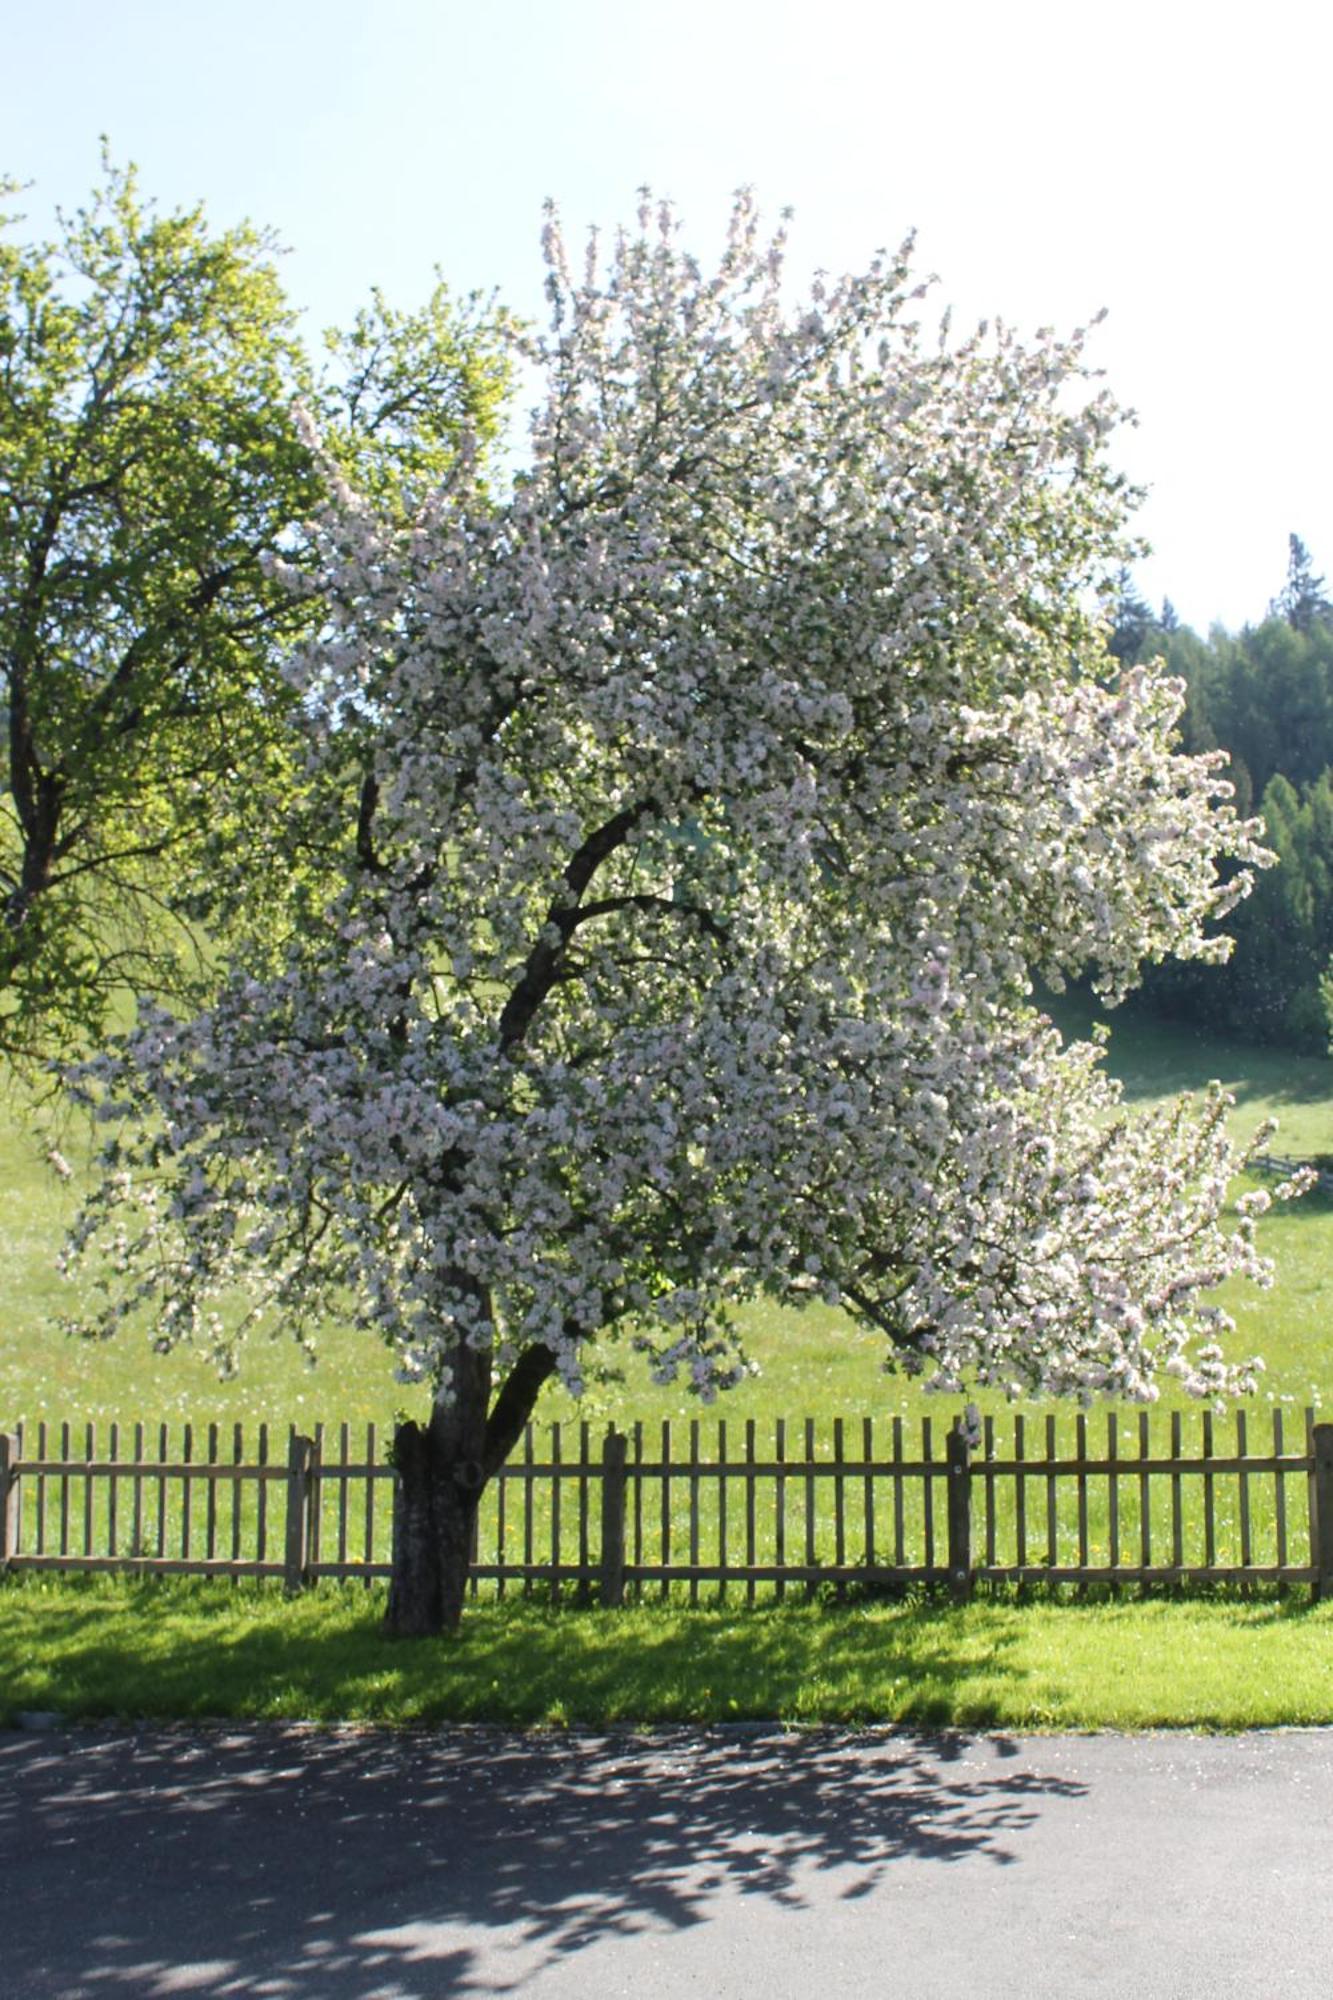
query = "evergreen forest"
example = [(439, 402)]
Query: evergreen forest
[(1264, 695)]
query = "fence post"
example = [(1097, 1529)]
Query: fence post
[(613, 1518), (1321, 1512), (9, 1499), (958, 1457), (300, 1460)]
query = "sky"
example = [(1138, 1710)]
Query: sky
[(1167, 161)]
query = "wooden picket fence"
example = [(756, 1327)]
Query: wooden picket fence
[(684, 1506), (1284, 1164)]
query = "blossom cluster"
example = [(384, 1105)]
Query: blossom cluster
[(704, 811)]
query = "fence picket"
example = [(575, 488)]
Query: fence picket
[(839, 1539), (1081, 1454), (868, 1486), (780, 1504), (1243, 1480), (89, 1454), (1209, 1507), (113, 1453), (237, 1459), (261, 1502), (722, 1506), (555, 1513), (1052, 1522), (1312, 1496), (211, 1499), (343, 1494), (1279, 1494), (136, 1500), (41, 1491), (187, 1453), (1113, 1489), (11, 1451), (1145, 1498), (665, 1519), (899, 1508), (809, 1503), (694, 1510), (372, 1461), (162, 1441), (612, 1541), (959, 1514), (1177, 1508), (585, 1583), (1321, 1516), (638, 1508), (64, 1492), (749, 1508), (314, 1536)]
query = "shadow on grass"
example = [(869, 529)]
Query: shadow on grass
[(139, 1648), (1155, 1057), (301, 1862)]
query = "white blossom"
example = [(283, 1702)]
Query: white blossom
[(720, 794)]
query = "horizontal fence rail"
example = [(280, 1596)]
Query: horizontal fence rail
[(679, 1507)]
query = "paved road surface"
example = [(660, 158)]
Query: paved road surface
[(330, 1864)]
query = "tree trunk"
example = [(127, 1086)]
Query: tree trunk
[(434, 1511), (442, 1468)]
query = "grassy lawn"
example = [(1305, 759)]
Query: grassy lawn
[(202, 1649)]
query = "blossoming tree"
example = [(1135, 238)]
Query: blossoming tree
[(707, 808)]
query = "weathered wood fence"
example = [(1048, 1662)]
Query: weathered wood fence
[(667, 1507), (1284, 1164)]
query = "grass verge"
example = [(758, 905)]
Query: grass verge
[(194, 1649)]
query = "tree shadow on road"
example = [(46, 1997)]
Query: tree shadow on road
[(294, 1861)]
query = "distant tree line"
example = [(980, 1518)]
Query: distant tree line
[(1265, 696)]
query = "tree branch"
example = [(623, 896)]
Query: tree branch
[(543, 962), (514, 1404)]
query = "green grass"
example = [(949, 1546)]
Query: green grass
[(185, 1649)]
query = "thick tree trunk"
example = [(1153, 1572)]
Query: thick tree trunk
[(432, 1535), (442, 1468)]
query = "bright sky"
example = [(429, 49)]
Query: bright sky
[(1167, 160)]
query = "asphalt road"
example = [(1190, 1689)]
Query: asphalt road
[(310, 1863)]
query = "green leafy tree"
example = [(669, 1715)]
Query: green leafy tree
[(153, 464)]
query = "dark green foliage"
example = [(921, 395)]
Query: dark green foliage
[(1284, 933), (1265, 696)]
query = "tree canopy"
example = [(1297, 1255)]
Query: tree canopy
[(152, 464), (707, 806)]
